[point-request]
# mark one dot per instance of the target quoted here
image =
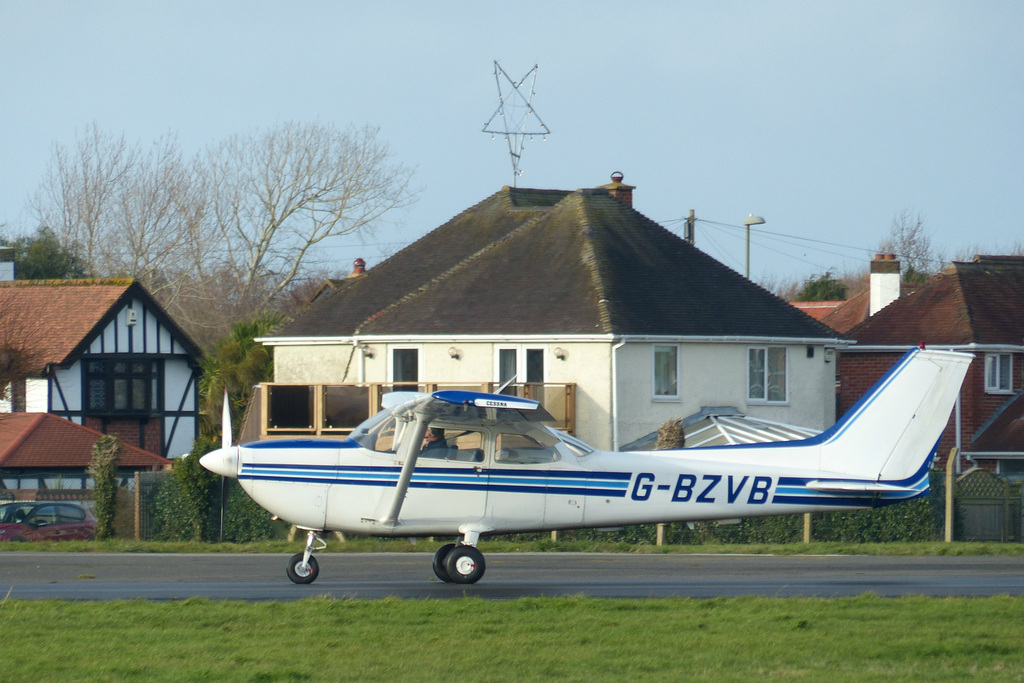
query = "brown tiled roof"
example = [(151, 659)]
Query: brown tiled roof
[(553, 262), (42, 440), (53, 318), (851, 313), (1005, 431), (980, 302)]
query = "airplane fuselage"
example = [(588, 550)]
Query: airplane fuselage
[(338, 485)]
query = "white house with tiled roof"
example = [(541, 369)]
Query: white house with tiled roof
[(553, 288)]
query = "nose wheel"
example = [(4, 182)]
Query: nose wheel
[(303, 567)]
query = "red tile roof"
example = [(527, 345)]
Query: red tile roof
[(1005, 432), (54, 316), (853, 312), (42, 440), (980, 302)]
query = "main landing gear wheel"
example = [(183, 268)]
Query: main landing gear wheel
[(302, 573), (439, 557), (464, 564)]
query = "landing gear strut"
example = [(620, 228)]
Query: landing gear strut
[(460, 562), (303, 567)]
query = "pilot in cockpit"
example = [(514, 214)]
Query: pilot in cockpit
[(434, 439)]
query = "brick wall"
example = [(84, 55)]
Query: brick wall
[(145, 434)]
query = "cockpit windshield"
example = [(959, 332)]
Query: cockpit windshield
[(378, 433)]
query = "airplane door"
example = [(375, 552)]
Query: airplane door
[(450, 479), (530, 486)]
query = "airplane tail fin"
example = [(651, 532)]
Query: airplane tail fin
[(889, 436)]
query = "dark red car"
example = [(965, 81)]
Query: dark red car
[(46, 521)]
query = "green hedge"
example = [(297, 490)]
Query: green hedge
[(244, 520), (187, 505), (916, 520)]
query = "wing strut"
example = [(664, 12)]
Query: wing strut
[(410, 453)]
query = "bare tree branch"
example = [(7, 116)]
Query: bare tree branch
[(223, 236)]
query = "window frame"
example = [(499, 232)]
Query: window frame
[(656, 367), (765, 378), (149, 380), (995, 361), (522, 355), (403, 382)]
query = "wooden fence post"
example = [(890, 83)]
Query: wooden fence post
[(954, 453), (138, 509)]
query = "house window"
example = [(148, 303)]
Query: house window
[(999, 373), (520, 364), (666, 372), (122, 386), (766, 374), (405, 367)]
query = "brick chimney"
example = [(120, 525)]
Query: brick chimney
[(6, 263), (884, 283), (358, 268), (616, 188)]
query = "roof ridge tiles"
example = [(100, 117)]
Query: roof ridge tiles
[(81, 282), (592, 262)]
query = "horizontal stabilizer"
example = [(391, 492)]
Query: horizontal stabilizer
[(856, 487)]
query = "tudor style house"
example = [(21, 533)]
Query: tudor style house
[(977, 307), (103, 354), (576, 298)]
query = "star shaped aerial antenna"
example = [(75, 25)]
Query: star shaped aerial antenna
[(515, 117)]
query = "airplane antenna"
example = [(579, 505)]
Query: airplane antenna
[(515, 117), (505, 384)]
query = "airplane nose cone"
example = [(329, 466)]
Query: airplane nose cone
[(223, 461)]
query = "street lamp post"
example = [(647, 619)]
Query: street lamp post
[(748, 221)]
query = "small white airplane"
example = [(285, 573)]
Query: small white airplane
[(491, 466)]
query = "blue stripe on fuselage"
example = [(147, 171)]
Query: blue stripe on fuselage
[(608, 484)]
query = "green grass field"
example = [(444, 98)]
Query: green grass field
[(865, 638)]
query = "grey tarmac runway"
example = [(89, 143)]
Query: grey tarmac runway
[(257, 577)]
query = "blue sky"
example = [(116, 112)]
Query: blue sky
[(825, 118)]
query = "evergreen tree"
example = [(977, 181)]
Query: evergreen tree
[(236, 363), (824, 288), (42, 257)]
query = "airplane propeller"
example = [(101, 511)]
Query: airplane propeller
[(224, 460), (225, 422)]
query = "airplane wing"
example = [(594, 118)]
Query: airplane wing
[(468, 406)]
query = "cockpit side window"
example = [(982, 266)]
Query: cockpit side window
[(523, 449), (453, 443)]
